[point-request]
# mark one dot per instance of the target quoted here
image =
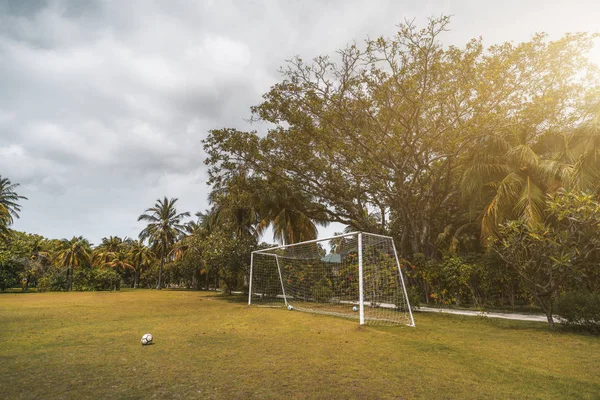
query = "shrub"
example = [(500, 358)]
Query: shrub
[(95, 279), (580, 310), (414, 297), (54, 279)]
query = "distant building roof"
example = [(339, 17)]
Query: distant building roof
[(332, 258)]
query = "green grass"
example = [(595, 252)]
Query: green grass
[(87, 345)]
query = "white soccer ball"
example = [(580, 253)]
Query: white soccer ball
[(290, 307), (354, 308), (147, 339)]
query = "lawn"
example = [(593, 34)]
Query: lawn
[(87, 345)]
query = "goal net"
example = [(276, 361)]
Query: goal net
[(356, 275)]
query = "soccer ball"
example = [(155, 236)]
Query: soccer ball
[(290, 307), (146, 339), (354, 308)]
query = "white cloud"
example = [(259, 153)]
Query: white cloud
[(104, 103)]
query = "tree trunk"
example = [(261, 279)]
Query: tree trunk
[(136, 277), (160, 269), (550, 319), (70, 279), (197, 279), (546, 304)]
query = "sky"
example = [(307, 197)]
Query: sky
[(104, 104)]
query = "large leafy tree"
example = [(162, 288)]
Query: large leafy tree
[(72, 254), (9, 204), (391, 126), (164, 227)]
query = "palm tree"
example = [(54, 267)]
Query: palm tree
[(140, 256), (9, 203), (582, 151), (163, 230), (39, 259), (510, 176), (287, 213), (107, 250), (73, 254), (119, 262)]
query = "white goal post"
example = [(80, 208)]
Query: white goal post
[(356, 275)]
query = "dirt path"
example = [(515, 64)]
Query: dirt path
[(518, 317)]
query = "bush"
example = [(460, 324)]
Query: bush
[(85, 279), (95, 279), (580, 310), (8, 278), (414, 297), (54, 279)]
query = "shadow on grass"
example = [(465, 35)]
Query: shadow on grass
[(505, 324), (230, 298)]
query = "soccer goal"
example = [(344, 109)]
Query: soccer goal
[(356, 275)]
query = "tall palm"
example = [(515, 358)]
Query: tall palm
[(73, 254), (286, 212), (195, 231), (140, 256), (9, 203), (235, 205), (163, 229)]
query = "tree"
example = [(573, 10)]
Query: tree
[(228, 256), (563, 249), (288, 213), (163, 229), (39, 260), (107, 250), (9, 204), (390, 127), (546, 140), (23, 257), (140, 256), (73, 254)]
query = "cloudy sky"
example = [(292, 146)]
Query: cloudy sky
[(103, 104)]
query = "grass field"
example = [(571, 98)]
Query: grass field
[(87, 345)]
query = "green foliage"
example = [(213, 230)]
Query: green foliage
[(402, 125), (164, 227), (22, 259), (9, 205), (414, 297), (564, 250), (580, 310), (470, 280), (228, 257), (94, 279), (9, 275), (322, 289), (55, 279)]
